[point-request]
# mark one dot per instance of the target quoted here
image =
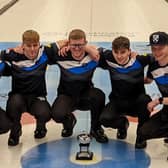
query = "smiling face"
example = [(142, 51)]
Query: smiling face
[(121, 49), (159, 46), (160, 52), (121, 55), (77, 48), (77, 42)]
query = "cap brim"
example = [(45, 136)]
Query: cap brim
[(162, 44)]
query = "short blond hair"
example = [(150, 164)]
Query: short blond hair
[(77, 34), (30, 36)]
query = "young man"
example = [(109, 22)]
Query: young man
[(157, 126), (76, 90), (128, 95), (5, 123), (28, 92)]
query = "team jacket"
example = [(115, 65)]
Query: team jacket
[(28, 76), (160, 75), (127, 81), (5, 69), (76, 76)]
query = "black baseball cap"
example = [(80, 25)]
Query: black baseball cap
[(158, 38)]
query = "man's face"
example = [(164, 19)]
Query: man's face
[(121, 55), (160, 52), (77, 47), (31, 49)]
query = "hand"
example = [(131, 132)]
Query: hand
[(147, 80), (63, 51), (134, 54), (151, 105), (95, 57), (19, 49), (93, 52), (62, 43)]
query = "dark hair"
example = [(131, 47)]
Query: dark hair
[(120, 42)]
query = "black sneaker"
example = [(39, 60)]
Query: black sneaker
[(40, 133), (99, 135), (14, 136), (122, 133), (140, 144), (68, 125)]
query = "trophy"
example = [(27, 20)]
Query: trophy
[(84, 142)]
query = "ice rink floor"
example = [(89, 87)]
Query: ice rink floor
[(53, 151)]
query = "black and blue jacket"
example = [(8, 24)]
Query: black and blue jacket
[(127, 81)]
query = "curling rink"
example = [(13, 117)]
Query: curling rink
[(53, 151), (102, 20)]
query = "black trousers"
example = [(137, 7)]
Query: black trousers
[(36, 106), (114, 113), (93, 99), (5, 123), (156, 127)]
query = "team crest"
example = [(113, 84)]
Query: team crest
[(155, 38)]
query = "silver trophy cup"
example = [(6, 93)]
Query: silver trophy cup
[(84, 142)]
